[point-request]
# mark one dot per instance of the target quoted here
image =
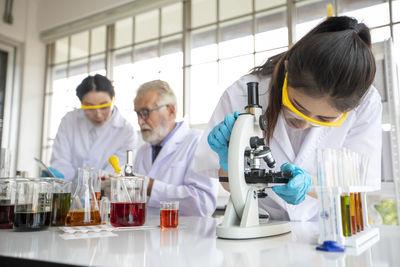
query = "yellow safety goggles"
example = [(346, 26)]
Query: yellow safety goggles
[(286, 102), (106, 105)]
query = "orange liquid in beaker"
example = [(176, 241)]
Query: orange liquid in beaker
[(83, 218), (169, 218)]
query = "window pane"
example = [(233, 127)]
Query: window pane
[(232, 69), (236, 38), (78, 67), (123, 33), (63, 100), (203, 12), (171, 72), (61, 54), (125, 92), (262, 57), (122, 56), (171, 45), (366, 11), (145, 51), (171, 63), (309, 15), (380, 34), (229, 8), (98, 64), (146, 70), (80, 45), (60, 72), (98, 42), (271, 30), (262, 4), (204, 92), (204, 45), (146, 26), (396, 10), (171, 19)]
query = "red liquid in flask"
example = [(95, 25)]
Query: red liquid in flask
[(169, 218), (127, 214)]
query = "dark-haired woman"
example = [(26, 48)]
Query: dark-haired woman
[(318, 94), (87, 137)]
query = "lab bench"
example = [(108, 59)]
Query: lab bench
[(193, 243)]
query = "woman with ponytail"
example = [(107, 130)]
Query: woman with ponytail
[(318, 94)]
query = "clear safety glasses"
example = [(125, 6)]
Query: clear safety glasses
[(144, 113), (103, 107), (286, 102)]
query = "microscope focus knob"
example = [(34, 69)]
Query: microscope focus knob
[(256, 141), (263, 121)]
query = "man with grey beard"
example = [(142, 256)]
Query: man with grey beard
[(167, 157)]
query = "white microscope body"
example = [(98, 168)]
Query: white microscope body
[(241, 219)]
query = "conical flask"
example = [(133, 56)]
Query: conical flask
[(84, 209)]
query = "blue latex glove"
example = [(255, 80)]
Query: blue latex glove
[(58, 174), (295, 191), (219, 137)]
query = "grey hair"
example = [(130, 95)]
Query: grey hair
[(165, 93)]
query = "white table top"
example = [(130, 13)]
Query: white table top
[(194, 243)]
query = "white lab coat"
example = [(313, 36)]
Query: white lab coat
[(360, 132), (174, 178), (74, 148)]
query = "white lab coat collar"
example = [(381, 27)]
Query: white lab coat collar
[(170, 146), (116, 121), (309, 144)]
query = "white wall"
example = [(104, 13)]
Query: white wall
[(58, 12), (24, 30)]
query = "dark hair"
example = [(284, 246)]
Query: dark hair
[(94, 83), (333, 59)]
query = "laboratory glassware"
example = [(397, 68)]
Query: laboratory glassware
[(169, 214), (7, 202), (128, 201), (84, 209), (61, 201), (33, 203)]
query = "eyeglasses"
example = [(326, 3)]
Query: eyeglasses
[(286, 102), (144, 113), (102, 107)]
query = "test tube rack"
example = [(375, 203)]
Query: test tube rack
[(330, 217)]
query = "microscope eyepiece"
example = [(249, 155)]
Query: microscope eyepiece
[(252, 94)]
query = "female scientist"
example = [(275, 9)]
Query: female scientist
[(87, 137), (318, 94)]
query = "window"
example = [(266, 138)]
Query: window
[(225, 39)]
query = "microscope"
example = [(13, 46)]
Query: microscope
[(247, 145)]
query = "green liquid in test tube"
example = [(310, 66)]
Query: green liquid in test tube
[(346, 218)]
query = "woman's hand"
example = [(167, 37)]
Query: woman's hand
[(295, 191), (219, 137)]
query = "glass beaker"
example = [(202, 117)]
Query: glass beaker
[(169, 214), (32, 204), (5, 162), (128, 201), (8, 187), (84, 209), (61, 201)]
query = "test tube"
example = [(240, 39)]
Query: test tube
[(360, 211), (345, 209), (353, 213)]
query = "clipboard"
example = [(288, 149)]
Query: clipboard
[(44, 166)]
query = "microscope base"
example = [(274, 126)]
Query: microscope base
[(263, 230)]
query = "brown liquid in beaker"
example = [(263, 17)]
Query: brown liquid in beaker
[(84, 218)]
